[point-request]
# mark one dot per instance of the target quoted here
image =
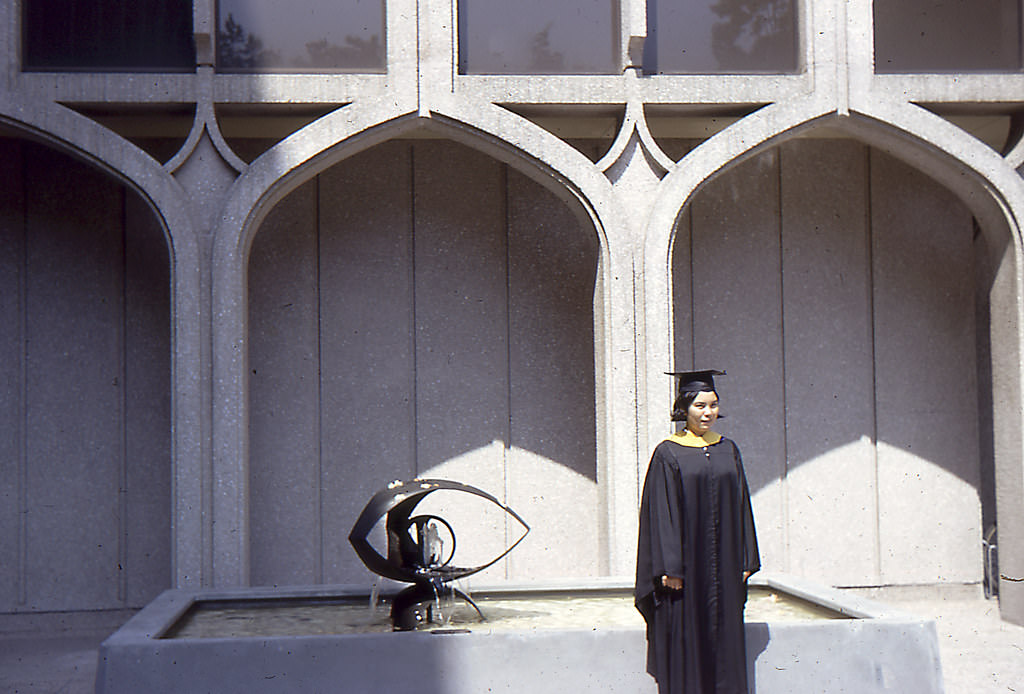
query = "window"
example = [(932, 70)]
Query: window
[(947, 35), (300, 36), (538, 37), (721, 36), (108, 35)]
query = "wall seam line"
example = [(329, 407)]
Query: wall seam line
[(413, 334), (122, 403), (319, 501), (693, 300), (784, 482), (23, 390), (870, 236), (507, 452)]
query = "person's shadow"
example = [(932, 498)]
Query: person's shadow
[(757, 641)]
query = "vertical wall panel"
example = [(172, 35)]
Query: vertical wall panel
[(284, 393), (829, 372), (461, 289), (552, 469), (12, 354), (927, 402), (368, 412), (737, 323), (74, 418), (147, 406)]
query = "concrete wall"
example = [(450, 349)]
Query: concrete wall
[(831, 299), (85, 463), (836, 285), (421, 310), (406, 323), (803, 294)]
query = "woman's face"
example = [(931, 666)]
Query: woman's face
[(702, 413)]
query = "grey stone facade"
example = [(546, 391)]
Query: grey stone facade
[(422, 272)]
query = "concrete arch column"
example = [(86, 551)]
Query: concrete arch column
[(978, 175), (331, 140)]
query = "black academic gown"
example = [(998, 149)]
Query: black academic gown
[(696, 522)]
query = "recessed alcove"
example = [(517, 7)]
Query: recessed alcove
[(421, 309), (846, 293), (85, 414)]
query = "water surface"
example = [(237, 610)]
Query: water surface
[(313, 616)]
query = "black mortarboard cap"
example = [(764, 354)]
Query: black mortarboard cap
[(696, 380)]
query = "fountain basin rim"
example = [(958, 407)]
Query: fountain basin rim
[(164, 612)]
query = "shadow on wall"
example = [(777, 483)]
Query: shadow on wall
[(842, 299), (85, 449), (431, 296), (838, 286), (420, 309)]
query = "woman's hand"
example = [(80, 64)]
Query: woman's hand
[(672, 583)]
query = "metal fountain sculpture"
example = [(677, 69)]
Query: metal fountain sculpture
[(416, 550)]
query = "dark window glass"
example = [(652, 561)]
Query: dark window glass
[(300, 35), (721, 36), (108, 35), (538, 37), (947, 35)]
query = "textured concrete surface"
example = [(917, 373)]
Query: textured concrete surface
[(48, 664), (880, 650), (980, 653), (633, 199)]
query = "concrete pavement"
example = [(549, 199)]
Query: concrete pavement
[(981, 654)]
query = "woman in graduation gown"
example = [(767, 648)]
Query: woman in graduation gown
[(697, 549)]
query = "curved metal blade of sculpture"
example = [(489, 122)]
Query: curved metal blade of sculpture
[(405, 553), (420, 559)]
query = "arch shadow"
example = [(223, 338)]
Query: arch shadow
[(978, 194)]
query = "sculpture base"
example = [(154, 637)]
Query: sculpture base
[(414, 607)]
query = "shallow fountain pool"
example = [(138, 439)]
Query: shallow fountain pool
[(612, 609), (537, 639)]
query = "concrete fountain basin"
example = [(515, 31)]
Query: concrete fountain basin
[(834, 642)]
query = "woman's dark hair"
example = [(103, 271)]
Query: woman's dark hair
[(683, 402)]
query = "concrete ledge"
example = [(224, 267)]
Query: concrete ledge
[(878, 651), (55, 624)]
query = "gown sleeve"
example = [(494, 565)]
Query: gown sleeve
[(659, 550), (750, 555)]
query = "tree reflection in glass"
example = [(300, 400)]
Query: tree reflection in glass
[(308, 35), (721, 36), (536, 37), (947, 35)]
